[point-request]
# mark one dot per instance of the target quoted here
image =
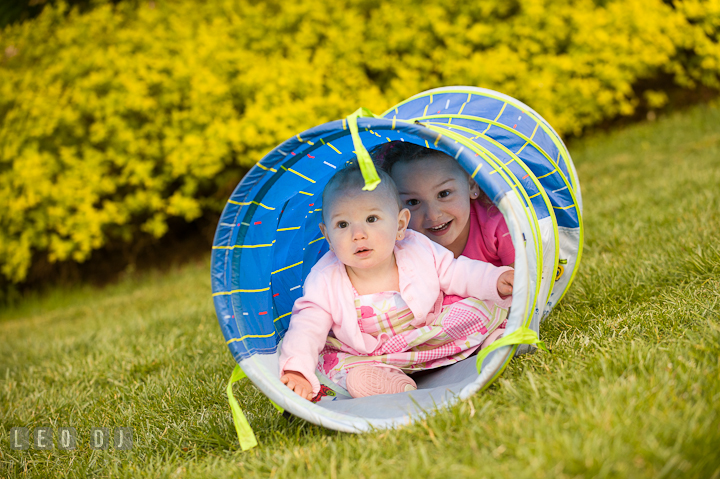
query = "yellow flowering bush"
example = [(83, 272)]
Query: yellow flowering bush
[(115, 120)]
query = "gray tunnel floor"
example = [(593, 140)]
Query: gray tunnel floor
[(434, 389)]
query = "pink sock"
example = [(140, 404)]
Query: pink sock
[(369, 380)]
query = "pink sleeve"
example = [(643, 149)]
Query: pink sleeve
[(468, 277), (505, 247), (310, 324)]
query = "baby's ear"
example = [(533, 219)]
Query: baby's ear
[(323, 229), (403, 222)]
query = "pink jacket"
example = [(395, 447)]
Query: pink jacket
[(426, 270)]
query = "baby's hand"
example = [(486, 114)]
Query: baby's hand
[(505, 283), (297, 382)]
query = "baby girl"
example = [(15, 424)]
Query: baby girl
[(379, 291)]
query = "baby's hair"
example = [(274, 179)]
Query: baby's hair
[(351, 178)]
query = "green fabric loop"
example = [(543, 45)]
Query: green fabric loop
[(246, 436), (519, 336), (364, 161)]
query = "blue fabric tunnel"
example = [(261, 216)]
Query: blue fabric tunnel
[(268, 240)]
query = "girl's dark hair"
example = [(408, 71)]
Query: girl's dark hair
[(386, 155)]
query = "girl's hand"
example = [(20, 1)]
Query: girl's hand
[(297, 382), (505, 284)]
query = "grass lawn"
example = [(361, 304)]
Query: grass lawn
[(631, 388)]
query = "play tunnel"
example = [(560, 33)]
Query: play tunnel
[(268, 240)]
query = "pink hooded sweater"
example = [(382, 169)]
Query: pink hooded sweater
[(426, 271)]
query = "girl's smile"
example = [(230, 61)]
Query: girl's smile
[(440, 229)]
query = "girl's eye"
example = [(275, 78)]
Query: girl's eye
[(372, 219), (412, 202), (444, 194), (342, 224)]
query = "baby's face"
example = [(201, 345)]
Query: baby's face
[(362, 227), (437, 192)]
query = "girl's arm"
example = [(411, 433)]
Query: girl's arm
[(470, 278), (505, 247)]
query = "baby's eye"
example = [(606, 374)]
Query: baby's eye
[(412, 202), (444, 194), (372, 219), (342, 224)]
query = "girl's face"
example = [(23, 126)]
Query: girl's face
[(437, 192)]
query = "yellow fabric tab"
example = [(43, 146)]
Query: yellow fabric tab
[(246, 436), (519, 336), (364, 161)]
